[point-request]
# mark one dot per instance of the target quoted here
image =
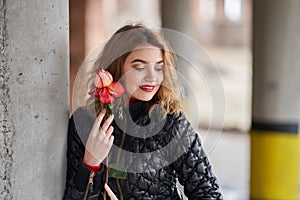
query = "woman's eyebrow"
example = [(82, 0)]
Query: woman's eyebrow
[(159, 62), (145, 62), (139, 60)]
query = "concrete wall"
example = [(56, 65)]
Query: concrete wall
[(34, 56), (276, 48), (276, 109)]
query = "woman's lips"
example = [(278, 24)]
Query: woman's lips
[(147, 88)]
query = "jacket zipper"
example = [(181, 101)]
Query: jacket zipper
[(89, 187)]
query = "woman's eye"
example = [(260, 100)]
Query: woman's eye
[(159, 68), (139, 68)]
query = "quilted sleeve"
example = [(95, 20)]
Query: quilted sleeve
[(193, 168), (77, 173)]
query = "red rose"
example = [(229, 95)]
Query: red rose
[(106, 89)]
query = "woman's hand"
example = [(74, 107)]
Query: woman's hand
[(100, 141), (110, 192)]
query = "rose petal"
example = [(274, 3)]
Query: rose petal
[(98, 92), (103, 78), (98, 81), (105, 96), (116, 89), (92, 92)]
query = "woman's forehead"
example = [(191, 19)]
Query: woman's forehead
[(146, 52)]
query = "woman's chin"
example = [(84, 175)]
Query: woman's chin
[(143, 97)]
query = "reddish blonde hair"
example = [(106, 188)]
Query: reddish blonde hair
[(123, 42)]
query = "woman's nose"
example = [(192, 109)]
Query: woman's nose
[(151, 75)]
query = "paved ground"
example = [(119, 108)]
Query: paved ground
[(228, 153), (230, 159)]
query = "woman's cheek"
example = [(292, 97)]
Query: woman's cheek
[(131, 86), (160, 78)]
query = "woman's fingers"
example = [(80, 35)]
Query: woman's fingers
[(107, 137), (111, 140), (107, 123), (98, 122), (110, 192), (100, 141), (110, 131)]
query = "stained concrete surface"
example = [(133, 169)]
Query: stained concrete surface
[(34, 104), (230, 159), (228, 153)]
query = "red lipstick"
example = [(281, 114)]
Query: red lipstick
[(147, 88)]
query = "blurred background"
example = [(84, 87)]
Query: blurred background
[(246, 89), (223, 29), (250, 48)]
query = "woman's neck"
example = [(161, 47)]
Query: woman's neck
[(128, 100)]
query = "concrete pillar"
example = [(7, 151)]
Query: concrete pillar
[(193, 66), (276, 107), (176, 15), (34, 99)]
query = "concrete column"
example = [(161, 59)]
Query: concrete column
[(34, 99), (193, 66), (276, 107), (176, 15), (176, 18)]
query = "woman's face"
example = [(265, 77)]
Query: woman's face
[(143, 72)]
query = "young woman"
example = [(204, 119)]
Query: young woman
[(148, 135)]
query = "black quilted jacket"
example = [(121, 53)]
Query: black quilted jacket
[(155, 153)]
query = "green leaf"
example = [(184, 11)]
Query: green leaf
[(116, 170), (96, 105), (97, 102), (110, 108)]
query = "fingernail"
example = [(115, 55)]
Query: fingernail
[(104, 110)]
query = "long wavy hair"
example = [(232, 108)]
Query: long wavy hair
[(127, 39)]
